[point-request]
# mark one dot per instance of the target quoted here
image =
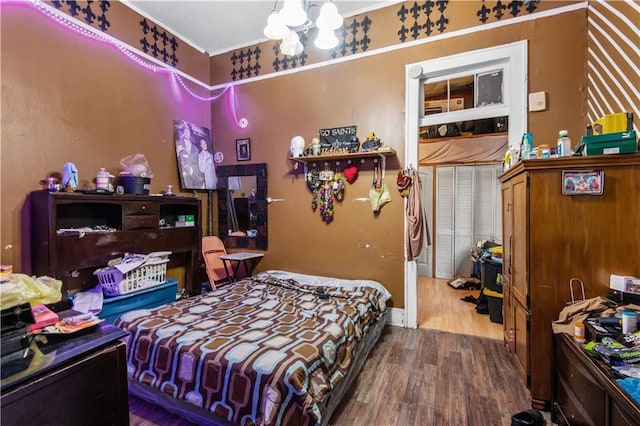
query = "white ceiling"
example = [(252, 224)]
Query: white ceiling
[(216, 26)]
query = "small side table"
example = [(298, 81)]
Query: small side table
[(240, 258)]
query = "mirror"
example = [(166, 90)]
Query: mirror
[(242, 205)]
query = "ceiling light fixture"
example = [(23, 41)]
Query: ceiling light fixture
[(294, 16)]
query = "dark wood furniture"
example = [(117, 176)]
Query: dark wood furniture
[(136, 223), (584, 392), (70, 381), (549, 238)]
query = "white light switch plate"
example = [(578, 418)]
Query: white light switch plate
[(537, 101)]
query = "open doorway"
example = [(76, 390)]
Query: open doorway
[(464, 207), (501, 71)]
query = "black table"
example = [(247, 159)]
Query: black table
[(72, 380)]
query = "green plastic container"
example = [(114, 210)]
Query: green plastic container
[(611, 143)]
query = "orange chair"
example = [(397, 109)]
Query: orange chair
[(212, 248)]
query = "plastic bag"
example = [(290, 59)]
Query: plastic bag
[(136, 165), (21, 288)]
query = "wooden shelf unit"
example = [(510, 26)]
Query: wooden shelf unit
[(137, 223), (343, 156)]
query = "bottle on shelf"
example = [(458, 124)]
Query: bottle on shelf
[(103, 179), (515, 155), (564, 144), (506, 163), (526, 146)]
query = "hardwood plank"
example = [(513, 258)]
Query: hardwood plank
[(440, 308), (416, 377)]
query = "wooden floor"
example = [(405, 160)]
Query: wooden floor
[(416, 377), (440, 308), (453, 370)]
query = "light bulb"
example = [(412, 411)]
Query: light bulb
[(329, 17), (291, 45), (293, 14), (276, 28), (326, 39)]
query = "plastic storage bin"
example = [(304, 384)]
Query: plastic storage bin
[(489, 275), (153, 297), (149, 274), (528, 418), (494, 300)]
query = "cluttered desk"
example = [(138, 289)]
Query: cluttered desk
[(75, 366), (597, 358)]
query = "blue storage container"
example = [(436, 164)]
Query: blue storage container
[(152, 297)]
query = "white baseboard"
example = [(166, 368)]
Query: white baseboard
[(395, 316)]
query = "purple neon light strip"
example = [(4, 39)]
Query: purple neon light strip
[(67, 22)]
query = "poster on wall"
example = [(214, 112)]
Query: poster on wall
[(339, 139), (194, 153)]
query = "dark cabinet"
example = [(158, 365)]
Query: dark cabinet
[(78, 381), (69, 235), (585, 394)]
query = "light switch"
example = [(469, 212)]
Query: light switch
[(537, 101)]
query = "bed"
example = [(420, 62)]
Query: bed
[(276, 348)]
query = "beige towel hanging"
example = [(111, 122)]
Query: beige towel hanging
[(415, 217)]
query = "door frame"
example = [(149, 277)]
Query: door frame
[(513, 58)]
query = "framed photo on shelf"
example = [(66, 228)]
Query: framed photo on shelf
[(582, 182), (243, 149)]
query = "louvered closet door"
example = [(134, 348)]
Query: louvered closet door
[(467, 210), (487, 207), (463, 220), (454, 224), (424, 261)]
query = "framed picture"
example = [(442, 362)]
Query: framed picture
[(194, 153), (243, 149), (582, 182)]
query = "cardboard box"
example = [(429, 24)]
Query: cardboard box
[(625, 284), (611, 143)]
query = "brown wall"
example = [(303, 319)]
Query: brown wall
[(369, 92), (614, 59), (66, 98)]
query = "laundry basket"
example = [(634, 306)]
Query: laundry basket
[(151, 271)]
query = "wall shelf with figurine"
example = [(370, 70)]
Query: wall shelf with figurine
[(344, 156)]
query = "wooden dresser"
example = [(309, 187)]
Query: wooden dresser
[(585, 394), (138, 224), (70, 381), (549, 238)]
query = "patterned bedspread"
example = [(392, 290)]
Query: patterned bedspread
[(264, 350)]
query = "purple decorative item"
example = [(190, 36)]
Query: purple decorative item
[(69, 176)]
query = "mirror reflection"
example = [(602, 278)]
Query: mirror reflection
[(242, 205)]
